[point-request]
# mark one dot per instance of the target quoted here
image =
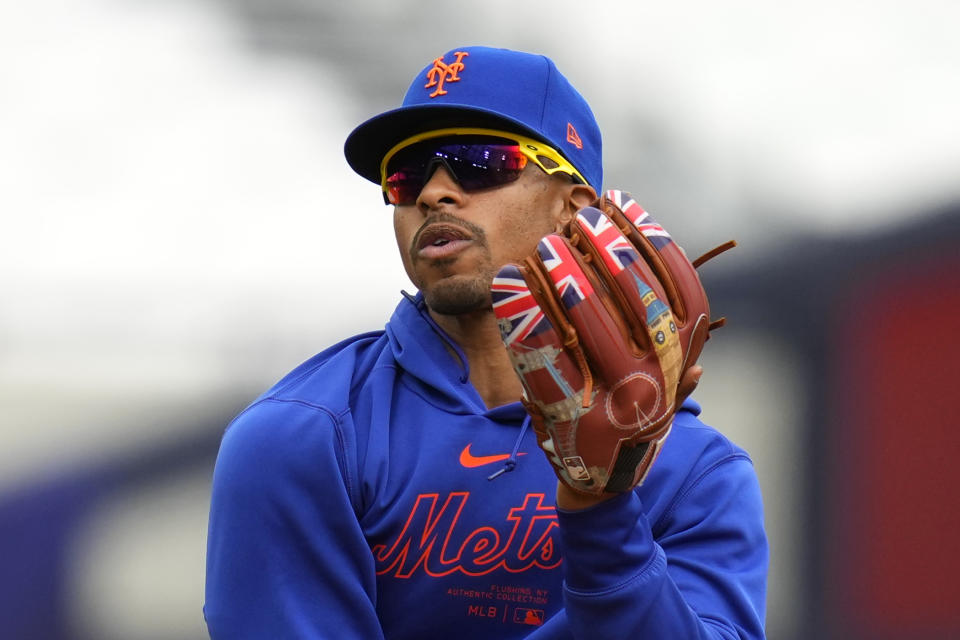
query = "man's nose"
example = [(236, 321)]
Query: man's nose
[(440, 188)]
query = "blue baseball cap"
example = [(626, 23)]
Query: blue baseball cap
[(487, 88)]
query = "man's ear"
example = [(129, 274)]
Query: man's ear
[(578, 197), (581, 195)]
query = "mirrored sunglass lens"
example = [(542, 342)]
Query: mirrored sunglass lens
[(482, 167), (403, 187), (485, 156), (475, 165)]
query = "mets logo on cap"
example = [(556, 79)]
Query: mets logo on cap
[(442, 72)]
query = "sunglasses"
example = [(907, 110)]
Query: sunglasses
[(476, 158)]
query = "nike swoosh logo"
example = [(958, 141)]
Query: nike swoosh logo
[(471, 461)]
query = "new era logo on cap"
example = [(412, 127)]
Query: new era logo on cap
[(573, 138)]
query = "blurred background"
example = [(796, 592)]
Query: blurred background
[(173, 198)]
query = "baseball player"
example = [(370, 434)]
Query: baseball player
[(514, 455)]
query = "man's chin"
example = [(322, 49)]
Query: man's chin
[(455, 298)]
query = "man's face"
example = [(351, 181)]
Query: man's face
[(454, 242)]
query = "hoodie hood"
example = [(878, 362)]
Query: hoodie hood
[(436, 367)]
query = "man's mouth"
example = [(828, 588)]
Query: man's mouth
[(441, 241)]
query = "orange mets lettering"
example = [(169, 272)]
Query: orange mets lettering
[(442, 72), (573, 137), (430, 540)]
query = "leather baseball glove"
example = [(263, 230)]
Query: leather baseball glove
[(600, 325)]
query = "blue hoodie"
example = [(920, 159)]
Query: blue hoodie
[(352, 501)]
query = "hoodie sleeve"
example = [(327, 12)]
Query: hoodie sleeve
[(704, 576), (280, 504)]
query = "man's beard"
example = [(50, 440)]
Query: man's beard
[(460, 295)]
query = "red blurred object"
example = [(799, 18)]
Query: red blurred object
[(893, 565)]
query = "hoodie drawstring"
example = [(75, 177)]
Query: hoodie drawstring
[(511, 462)]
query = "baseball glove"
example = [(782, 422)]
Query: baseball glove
[(600, 324)]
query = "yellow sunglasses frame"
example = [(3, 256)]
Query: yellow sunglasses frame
[(528, 146)]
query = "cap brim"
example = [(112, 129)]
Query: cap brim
[(368, 143)]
